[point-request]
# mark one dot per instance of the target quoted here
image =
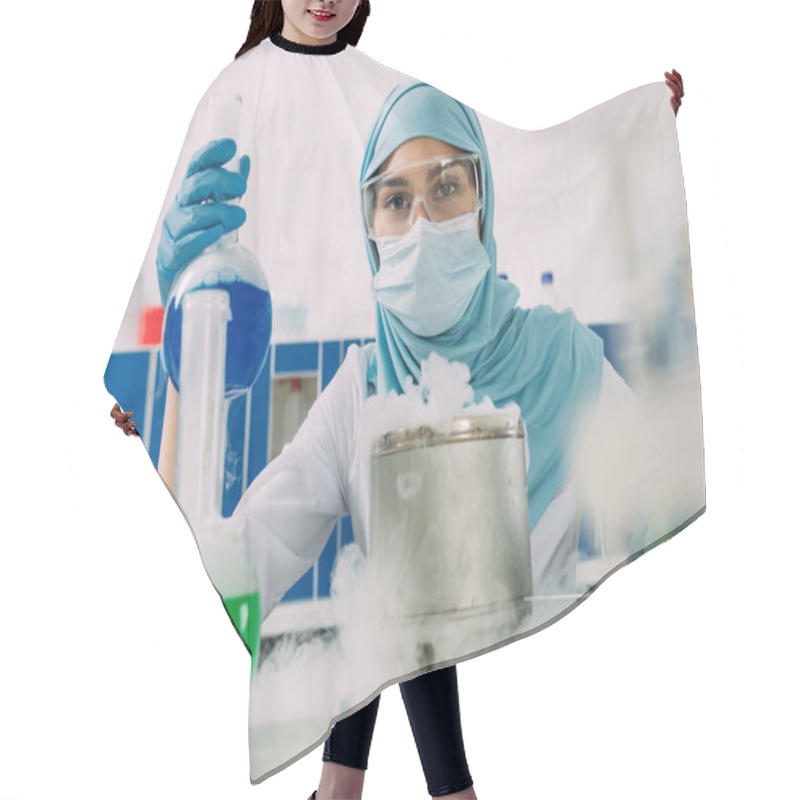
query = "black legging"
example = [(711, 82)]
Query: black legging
[(431, 702)]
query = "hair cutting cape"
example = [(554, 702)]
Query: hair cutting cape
[(344, 567)]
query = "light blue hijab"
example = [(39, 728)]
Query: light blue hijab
[(546, 362)]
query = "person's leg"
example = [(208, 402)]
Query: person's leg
[(432, 705), (345, 755)]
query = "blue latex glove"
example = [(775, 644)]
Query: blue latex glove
[(199, 216)]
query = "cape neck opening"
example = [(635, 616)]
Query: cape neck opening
[(308, 49)]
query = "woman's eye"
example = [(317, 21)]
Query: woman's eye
[(446, 189), (395, 202)]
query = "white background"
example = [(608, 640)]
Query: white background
[(120, 675)]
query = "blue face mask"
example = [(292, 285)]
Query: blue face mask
[(428, 276)]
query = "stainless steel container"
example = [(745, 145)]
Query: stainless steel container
[(448, 534)]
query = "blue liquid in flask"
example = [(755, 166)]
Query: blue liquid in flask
[(248, 334)]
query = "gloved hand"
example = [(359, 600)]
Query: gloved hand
[(199, 216)]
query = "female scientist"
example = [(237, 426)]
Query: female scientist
[(428, 207)]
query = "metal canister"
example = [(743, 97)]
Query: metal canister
[(448, 531)]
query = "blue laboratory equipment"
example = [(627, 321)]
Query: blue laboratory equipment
[(224, 266), (229, 267), (217, 329)]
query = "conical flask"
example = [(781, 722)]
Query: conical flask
[(217, 330), (227, 266)]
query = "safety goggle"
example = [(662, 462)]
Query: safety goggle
[(444, 187)]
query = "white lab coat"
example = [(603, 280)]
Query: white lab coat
[(288, 512)]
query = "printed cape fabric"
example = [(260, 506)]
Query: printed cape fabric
[(359, 538)]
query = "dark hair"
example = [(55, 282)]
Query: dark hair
[(266, 19)]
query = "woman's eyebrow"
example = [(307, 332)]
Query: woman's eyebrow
[(438, 169), (433, 172), (396, 181)]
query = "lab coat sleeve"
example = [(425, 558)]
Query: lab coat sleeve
[(620, 427), (618, 465), (554, 544), (289, 511), (605, 470)]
